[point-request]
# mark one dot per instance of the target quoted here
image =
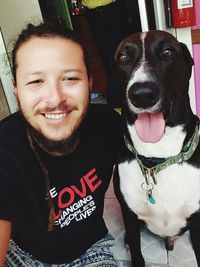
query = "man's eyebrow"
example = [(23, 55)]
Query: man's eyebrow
[(71, 70), (41, 72), (32, 73)]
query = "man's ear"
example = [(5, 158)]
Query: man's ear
[(90, 83), (15, 91), (14, 87)]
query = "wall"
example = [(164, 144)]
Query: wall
[(196, 54), (14, 14), (4, 111), (197, 6)]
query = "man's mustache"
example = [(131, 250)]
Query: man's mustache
[(60, 108)]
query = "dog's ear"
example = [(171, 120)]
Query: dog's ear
[(186, 55)]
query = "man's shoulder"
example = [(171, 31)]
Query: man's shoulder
[(9, 127)]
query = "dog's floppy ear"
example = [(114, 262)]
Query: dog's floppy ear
[(186, 55)]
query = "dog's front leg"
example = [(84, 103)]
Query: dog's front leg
[(132, 226), (131, 223), (194, 233)]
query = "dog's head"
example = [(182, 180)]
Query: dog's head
[(153, 70)]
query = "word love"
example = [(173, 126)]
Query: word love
[(89, 182)]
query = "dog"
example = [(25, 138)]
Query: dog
[(157, 178)]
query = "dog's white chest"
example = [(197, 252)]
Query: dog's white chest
[(177, 196)]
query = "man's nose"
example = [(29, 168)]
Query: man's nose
[(54, 93)]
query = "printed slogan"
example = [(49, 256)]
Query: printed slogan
[(71, 210)]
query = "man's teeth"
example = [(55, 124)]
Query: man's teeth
[(55, 116)]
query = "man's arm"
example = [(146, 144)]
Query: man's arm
[(5, 230)]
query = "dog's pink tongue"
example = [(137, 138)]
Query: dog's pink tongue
[(150, 127)]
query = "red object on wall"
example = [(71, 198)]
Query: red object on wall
[(183, 13)]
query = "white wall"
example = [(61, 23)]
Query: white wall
[(14, 15)]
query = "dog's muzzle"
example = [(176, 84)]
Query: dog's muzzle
[(143, 95)]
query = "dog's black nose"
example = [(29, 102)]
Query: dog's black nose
[(143, 95)]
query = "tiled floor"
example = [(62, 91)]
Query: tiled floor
[(153, 247)]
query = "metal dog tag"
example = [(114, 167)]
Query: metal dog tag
[(148, 188)]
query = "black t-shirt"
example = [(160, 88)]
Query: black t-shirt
[(78, 183)]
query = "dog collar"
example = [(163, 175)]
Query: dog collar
[(150, 173)]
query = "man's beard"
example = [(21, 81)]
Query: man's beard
[(54, 147)]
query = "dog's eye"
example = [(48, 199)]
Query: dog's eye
[(167, 53), (123, 58)]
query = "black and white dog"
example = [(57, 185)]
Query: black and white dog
[(157, 180)]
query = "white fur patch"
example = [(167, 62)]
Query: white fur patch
[(141, 73), (169, 145), (176, 194)]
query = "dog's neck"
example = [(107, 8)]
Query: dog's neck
[(187, 151), (169, 145), (150, 167)]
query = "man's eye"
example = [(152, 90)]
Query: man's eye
[(35, 82), (71, 79)]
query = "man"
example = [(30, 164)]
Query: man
[(56, 157)]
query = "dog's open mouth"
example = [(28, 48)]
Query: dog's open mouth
[(150, 127)]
